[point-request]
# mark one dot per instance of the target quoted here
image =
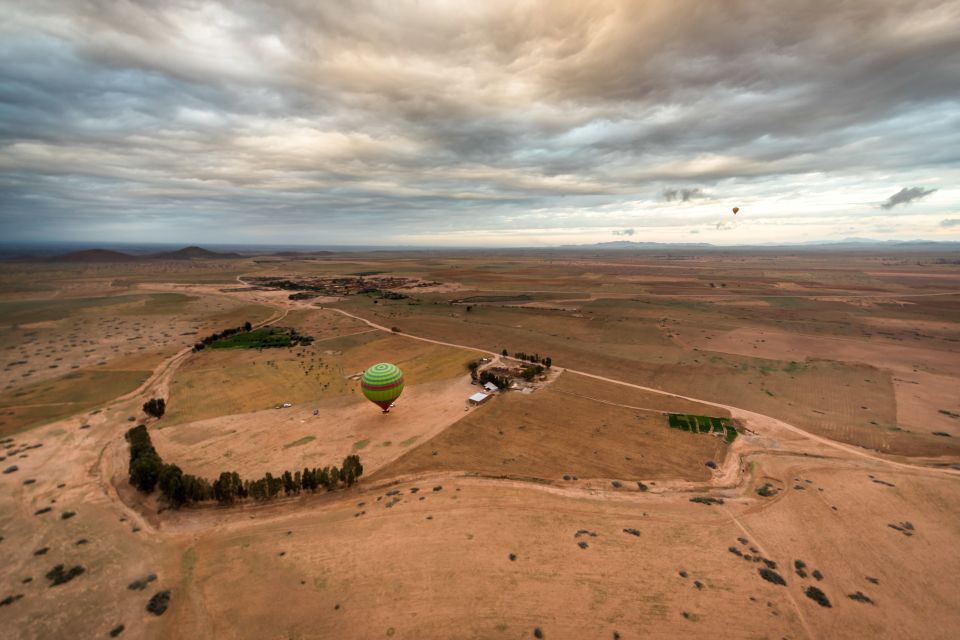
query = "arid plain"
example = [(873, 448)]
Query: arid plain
[(561, 512)]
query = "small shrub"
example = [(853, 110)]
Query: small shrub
[(513, 557), (859, 596), (816, 574), (817, 596), (707, 500), (116, 631), (66, 515), (641, 486), (633, 532), (537, 633), (772, 576), (58, 576), (766, 490), (141, 584), (582, 544), (10, 600), (616, 484), (159, 603)]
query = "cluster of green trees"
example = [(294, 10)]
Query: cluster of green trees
[(155, 407), (535, 358), (529, 372), (311, 480), (226, 333), (502, 382), (147, 472), (145, 462), (383, 293)]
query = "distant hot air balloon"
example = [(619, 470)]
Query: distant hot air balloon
[(735, 209), (382, 384)]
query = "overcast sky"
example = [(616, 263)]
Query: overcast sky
[(479, 123)]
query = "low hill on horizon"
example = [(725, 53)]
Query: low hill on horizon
[(194, 253), (95, 255)]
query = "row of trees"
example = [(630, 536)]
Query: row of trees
[(229, 488), (148, 471), (546, 361), (226, 333)]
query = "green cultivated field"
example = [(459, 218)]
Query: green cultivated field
[(257, 339), (702, 424)]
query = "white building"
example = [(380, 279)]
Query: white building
[(478, 398), (490, 387)]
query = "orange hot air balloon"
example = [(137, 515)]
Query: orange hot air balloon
[(735, 209)]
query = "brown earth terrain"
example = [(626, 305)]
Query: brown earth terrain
[(841, 371)]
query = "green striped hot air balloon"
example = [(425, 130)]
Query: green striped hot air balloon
[(382, 384)]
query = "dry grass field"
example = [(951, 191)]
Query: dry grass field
[(842, 371), (64, 355), (552, 435)]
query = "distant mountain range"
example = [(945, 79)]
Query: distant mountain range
[(108, 255), (58, 253), (845, 244)]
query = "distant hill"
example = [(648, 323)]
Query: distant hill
[(94, 255), (852, 244), (194, 253)]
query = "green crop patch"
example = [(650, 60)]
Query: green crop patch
[(703, 424), (266, 338)]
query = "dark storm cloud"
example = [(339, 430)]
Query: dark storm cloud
[(683, 195), (906, 195), (403, 117)]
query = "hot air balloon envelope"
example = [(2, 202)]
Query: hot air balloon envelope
[(382, 384), (735, 209)]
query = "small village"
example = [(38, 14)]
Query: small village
[(349, 285)]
